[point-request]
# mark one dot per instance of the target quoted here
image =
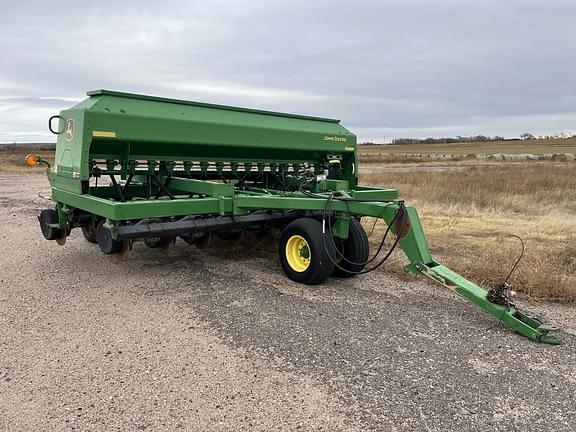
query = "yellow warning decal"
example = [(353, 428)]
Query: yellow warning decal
[(348, 148), (104, 134)]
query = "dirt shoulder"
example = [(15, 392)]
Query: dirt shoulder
[(221, 340)]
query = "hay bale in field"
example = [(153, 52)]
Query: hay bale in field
[(568, 156), (520, 157), (531, 157), (482, 157), (471, 156), (547, 156), (562, 157)]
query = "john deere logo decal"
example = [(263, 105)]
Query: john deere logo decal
[(69, 130), (335, 138)]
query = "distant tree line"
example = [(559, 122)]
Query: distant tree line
[(452, 140), (11, 147), (477, 138)]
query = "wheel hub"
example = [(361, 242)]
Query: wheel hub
[(298, 253)]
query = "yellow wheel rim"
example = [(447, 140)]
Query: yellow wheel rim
[(298, 253)]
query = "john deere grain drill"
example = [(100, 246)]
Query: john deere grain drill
[(131, 168)]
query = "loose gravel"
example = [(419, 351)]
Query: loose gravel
[(220, 340)]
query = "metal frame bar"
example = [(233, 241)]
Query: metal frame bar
[(187, 226)]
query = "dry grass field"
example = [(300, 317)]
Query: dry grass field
[(468, 217), (567, 145), (12, 159)]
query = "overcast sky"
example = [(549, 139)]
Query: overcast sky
[(385, 68)]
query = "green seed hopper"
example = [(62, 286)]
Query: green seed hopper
[(131, 168)]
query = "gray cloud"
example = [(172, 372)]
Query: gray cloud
[(386, 68)]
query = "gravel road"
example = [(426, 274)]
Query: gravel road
[(220, 340)]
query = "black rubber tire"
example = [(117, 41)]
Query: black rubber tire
[(46, 218), (104, 239), (190, 238), (322, 252), (230, 236), (89, 233), (355, 249), (204, 241), (156, 242)]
